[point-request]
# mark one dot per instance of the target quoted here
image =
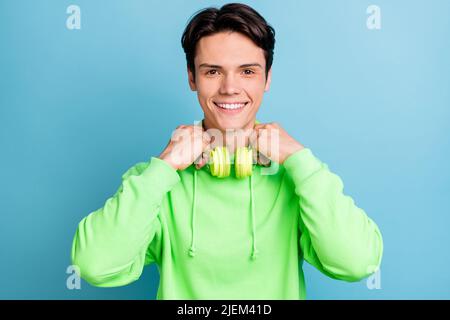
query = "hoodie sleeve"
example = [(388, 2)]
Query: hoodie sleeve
[(110, 244), (337, 237)]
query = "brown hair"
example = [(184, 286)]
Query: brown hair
[(235, 17)]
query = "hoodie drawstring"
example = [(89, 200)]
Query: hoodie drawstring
[(255, 251), (194, 205)]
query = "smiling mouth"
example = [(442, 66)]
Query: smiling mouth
[(231, 107)]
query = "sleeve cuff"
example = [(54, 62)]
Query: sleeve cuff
[(302, 164)]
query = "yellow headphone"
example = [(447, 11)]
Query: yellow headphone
[(220, 161), (220, 165)]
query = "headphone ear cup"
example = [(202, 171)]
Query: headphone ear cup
[(249, 161), (243, 162), (220, 162), (221, 154), (237, 162), (214, 166), (227, 162)]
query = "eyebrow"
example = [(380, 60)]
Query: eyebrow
[(215, 66)]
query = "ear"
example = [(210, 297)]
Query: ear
[(268, 80), (191, 80)]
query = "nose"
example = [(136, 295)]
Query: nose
[(230, 85)]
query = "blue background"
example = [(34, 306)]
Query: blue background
[(79, 107)]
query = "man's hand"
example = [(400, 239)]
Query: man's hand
[(187, 144), (273, 142)]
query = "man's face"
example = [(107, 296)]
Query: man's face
[(229, 73)]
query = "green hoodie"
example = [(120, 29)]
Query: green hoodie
[(228, 238)]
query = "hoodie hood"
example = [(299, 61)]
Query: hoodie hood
[(192, 249)]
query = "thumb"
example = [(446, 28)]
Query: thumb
[(206, 138), (204, 157)]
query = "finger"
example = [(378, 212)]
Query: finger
[(263, 160), (264, 151), (259, 125), (206, 138), (197, 161), (262, 141), (258, 141), (204, 157), (252, 142), (200, 163)]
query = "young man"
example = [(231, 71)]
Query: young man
[(228, 238)]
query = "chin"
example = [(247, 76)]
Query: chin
[(231, 124)]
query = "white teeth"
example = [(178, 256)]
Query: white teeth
[(231, 105)]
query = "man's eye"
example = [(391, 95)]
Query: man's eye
[(248, 72), (212, 72)]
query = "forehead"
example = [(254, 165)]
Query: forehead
[(228, 48)]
